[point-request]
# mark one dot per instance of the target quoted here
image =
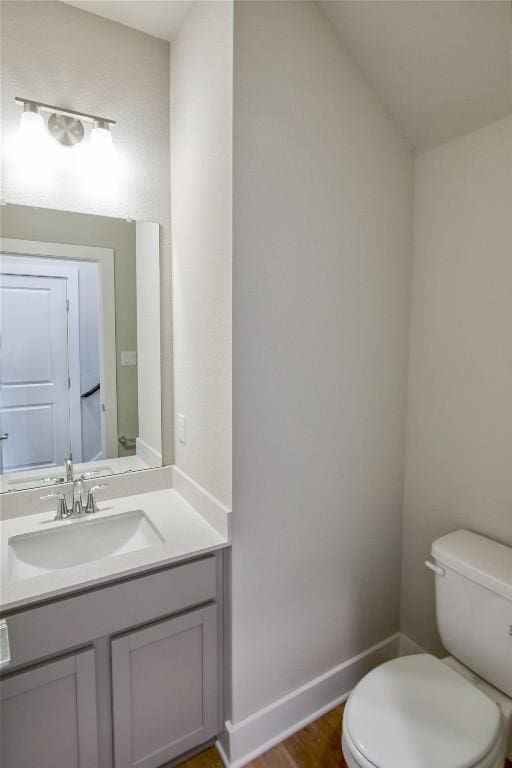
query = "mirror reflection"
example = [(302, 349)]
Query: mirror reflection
[(80, 346)]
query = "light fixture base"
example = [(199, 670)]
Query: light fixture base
[(67, 130)]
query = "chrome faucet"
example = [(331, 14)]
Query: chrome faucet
[(78, 507), (68, 464), (78, 492), (90, 505), (63, 511)]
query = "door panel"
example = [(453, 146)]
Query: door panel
[(49, 715), (34, 392), (165, 689), (31, 434)]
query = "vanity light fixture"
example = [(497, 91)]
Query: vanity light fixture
[(31, 122), (64, 125), (100, 134)]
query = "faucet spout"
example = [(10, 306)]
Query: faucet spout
[(68, 464), (78, 491)]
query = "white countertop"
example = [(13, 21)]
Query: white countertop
[(184, 531)]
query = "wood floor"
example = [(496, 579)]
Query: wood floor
[(316, 746)]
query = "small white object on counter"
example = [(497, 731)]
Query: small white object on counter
[(183, 534)]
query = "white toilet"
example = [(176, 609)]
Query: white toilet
[(420, 712)]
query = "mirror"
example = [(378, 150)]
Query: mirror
[(80, 346)]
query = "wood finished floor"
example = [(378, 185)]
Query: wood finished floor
[(316, 746)]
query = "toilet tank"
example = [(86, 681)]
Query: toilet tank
[(474, 604)]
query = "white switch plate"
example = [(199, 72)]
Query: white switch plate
[(128, 358), (181, 428)]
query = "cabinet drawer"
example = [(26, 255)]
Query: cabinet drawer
[(54, 627)]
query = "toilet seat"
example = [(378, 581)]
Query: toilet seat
[(355, 759), (416, 712)]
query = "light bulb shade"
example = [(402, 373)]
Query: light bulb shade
[(31, 125), (101, 138)]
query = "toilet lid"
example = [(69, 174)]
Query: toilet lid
[(416, 712)]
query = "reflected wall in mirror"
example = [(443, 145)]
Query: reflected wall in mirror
[(80, 346)]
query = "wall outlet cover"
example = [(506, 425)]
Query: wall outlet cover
[(181, 428)]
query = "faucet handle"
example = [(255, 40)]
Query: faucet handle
[(89, 475), (63, 510), (90, 505)]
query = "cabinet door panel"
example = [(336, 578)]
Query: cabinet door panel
[(49, 715), (164, 689)]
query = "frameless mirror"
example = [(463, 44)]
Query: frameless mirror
[(80, 346)]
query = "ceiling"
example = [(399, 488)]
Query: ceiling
[(160, 18), (442, 68)]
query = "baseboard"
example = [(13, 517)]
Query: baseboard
[(407, 647), (244, 741)]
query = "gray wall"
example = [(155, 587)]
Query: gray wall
[(201, 181), (321, 251), (459, 426), (58, 54), (81, 229)]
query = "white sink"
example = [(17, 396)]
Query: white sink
[(80, 541)]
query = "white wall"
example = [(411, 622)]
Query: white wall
[(201, 182), (322, 245), (148, 338), (58, 54), (459, 435)]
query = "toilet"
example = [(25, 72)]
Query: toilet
[(421, 712)]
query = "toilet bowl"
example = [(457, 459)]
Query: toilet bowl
[(420, 712)]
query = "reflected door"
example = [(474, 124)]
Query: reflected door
[(34, 384)]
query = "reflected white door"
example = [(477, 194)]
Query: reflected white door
[(34, 394)]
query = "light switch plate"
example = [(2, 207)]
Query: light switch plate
[(181, 428), (128, 358)]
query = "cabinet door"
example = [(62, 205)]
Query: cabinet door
[(164, 689), (48, 715)]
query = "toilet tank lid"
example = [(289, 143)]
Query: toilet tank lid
[(478, 558)]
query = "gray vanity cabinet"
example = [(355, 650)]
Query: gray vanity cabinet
[(152, 643), (49, 715), (164, 679)]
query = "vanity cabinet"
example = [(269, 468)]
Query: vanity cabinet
[(143, 689), (164, 689), (49, 715)]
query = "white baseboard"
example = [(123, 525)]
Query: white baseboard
[(244, 741), (407, 647)]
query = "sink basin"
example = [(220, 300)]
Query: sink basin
[(79, 541)]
